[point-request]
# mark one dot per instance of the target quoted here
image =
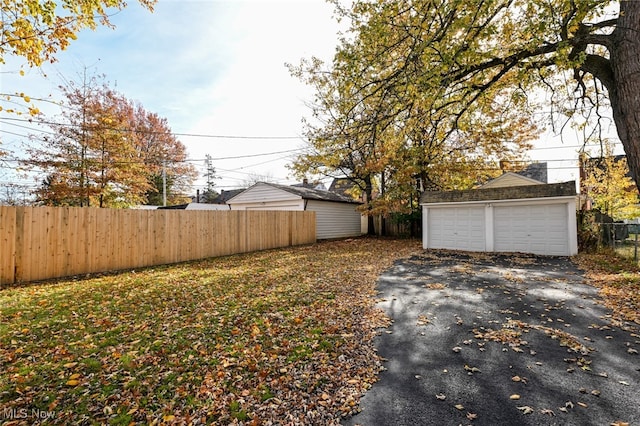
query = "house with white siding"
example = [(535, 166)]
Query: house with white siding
[(336, 215)]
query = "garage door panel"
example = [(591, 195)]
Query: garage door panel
[(456, 228), (539, 229)]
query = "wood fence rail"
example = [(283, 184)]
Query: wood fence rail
[(38, 243)]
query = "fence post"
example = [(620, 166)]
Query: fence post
[(635, 247)]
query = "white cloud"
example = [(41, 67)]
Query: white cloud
[(209, 67)]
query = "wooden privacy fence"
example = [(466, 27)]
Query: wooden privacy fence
[(39, 243)]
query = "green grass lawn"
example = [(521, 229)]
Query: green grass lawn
[(280, 335)]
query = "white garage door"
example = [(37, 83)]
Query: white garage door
[(538, 229), (456, 228)]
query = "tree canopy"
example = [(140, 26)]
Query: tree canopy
[(108, 151), (608, 185), (428, 88)]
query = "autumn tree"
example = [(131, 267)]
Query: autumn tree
[(608, 185), (36, 30), (107, 151), (450, 61), (164, 157), (393, 138)]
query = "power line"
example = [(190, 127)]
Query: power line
[(196, 135)]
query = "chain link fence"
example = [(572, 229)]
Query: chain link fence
[(621, 237)]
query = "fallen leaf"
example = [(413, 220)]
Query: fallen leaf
[(459, 407), (547, 412), (472, 416), (441, 396), (514, 397), (525, 409), (582, 404)]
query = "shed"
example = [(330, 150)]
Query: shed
[(517, 215), (336, 215)]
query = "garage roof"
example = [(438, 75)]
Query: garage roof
[(306, 193), (506, 193)]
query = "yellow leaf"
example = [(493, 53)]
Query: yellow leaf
[(73, 383), (514, 397), (459, 407), (74, 376), (70, 364)]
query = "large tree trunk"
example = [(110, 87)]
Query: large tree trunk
[(625, 93), (368, 191)]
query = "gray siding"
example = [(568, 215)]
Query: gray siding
[(335, 220)]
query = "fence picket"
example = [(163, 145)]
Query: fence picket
[(39, 243)]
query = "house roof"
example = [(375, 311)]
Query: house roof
[(315, 194), (501, 193), (314, 185), (226, 195), (536, 171), (510, 179), (309, 193)]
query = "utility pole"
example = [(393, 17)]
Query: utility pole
[(164, 182)]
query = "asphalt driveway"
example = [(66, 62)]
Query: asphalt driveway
[(499, 340)]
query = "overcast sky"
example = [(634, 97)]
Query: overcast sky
[(217, 68)]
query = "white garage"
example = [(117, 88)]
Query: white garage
[(532, 218), (337, 216)]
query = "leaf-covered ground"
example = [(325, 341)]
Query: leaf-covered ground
[(275, 337), (618, 279)]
